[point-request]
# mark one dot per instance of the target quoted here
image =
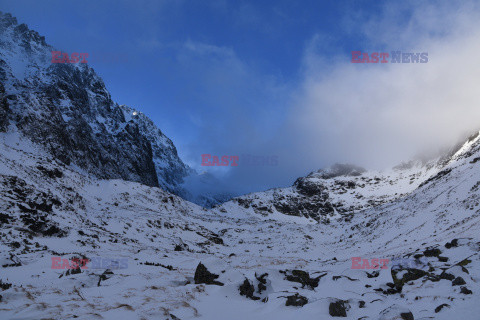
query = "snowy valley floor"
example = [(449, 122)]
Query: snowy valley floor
[(48, 210)]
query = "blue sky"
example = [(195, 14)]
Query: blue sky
[(268, 77)]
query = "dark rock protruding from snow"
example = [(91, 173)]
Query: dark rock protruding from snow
[(247, 289), (432, 252), (296, 300), (202, 275), (5, 285), (458, 281), (262, 282), (407, 274), (440, 307), (338, 308), (302, 277), (107, 274), (453, 243), (308, 187), (465, 290)]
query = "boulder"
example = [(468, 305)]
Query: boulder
[(302, 277), (202, 275), (247, 289), (465, 290), (338, 308), (410, 275), (296, 300), (458, 281)]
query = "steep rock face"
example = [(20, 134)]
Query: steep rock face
[(170, 170), (67, 109)]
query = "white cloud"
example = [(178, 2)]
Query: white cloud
[(380, 114), (374, 115)]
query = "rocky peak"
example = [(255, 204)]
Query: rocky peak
[(68, 109)]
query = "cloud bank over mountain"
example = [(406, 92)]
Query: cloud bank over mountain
[(377, 115)]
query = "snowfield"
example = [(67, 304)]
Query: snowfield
[(292, 259)]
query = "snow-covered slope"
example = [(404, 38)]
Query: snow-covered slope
[(335, 191), (50, 211), (343, 189)]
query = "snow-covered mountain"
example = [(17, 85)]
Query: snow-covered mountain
[(343, 189), (67, 108), (271, 267), (280, 254)]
